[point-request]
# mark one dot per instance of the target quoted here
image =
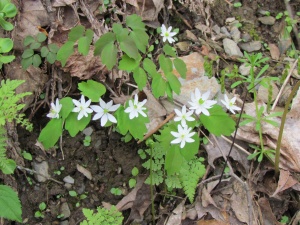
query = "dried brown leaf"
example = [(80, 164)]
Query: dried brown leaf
[(274, 51), (267, 214), (285, 181), (177, 215), (84, 171), (59, 3)]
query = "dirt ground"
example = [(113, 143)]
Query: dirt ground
[(108, 158)]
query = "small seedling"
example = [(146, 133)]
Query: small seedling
[(58, 172), (87, 141), (285, 220), (60, 216), (116, 191), (40, 212), (132, 181), (237, 4), (79, 197)]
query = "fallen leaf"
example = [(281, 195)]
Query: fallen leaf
[(59, 3), (176, 216), (206, 198), (84, 171), (285, 181), (274, 51), (266, 212)]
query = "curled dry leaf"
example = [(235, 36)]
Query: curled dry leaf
[(148, 10), (85, 67), (285, 181), (177, 215), (274, 51), (84, 171)]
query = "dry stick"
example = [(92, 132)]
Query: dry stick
[(284, 84), (245, 185), (33, 171), (169, 117)]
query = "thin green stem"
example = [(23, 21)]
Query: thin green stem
[(277, 154)]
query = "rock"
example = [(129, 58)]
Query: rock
[(231, 48), (41, 168), (69, 179), (183, 46), (250, 46), (235, 34), (229, 20), (88, 131), (267, 20), (245, 37), (190, 36), (65, 210), (68, 186), (225, 31), (263, 93), (65, 222), (216, 29), (244, 70)]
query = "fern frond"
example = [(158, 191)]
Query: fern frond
[(189, 176)]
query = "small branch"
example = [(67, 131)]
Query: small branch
[(169, 117), (284, 84), (33, 171)]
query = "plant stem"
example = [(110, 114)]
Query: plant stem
[(277, 154)]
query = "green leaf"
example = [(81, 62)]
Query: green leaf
[(36, 60), (6, 58), (27, 155), (73, 125), (6, 45), (123, 120), (73, 193), (135, 22), (67, 107), (53, 48), (44, 51), (165, 64), (180, 67), (128, 46), (28, 40), (6, 25), (121, 32), (26, 62), (109, 55), (83, 45), (174, 160), (88, 89), (159, 85), (174, 82), (35, 45), (140, 77), (218, 122), (51, 133), (10, 166), (10, 10), (51, 57), (128, 64), (169, 50), (141, 39), (10, 206), (76, 33), (27, 53), (42, 206), (103, 41), (150, 67), (41, 37), (132, 183), (135, 171), (137, 126), (65, 52)]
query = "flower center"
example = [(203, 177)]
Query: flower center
[(182, 136), (201, 101), (135, 106), (105, 110), (167, 34), (81, 107)]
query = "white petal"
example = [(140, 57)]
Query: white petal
[(96, 108), (169, 29), (77, 103), (182, 144), (128, 109), (176, 141), (177, 118), (88, 110), (87, 104), (104, 120), (197, 94), (164, 39), (163, 28), (76, 109), (98, 116), (136, 99), (172, 34), (114, 108), (80, 115), (189, 140), (102, 104), (205, 112), (142, 113), (205, 96), (111, 118), (175, 134)]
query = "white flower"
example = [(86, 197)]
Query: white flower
[(200, 103), (182, 136), (55, 109), (135, 107), (103, 110), (183, 116), (167, 34), (230, 104), (82, 107)]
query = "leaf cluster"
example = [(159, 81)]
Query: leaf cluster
[(31, 57), (6, 45), (7, 10), (83, 37), (102, 216)]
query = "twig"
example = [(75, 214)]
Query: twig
[(181, 17), (284, 84), (169, 117), (33, 171), (236, 145)]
